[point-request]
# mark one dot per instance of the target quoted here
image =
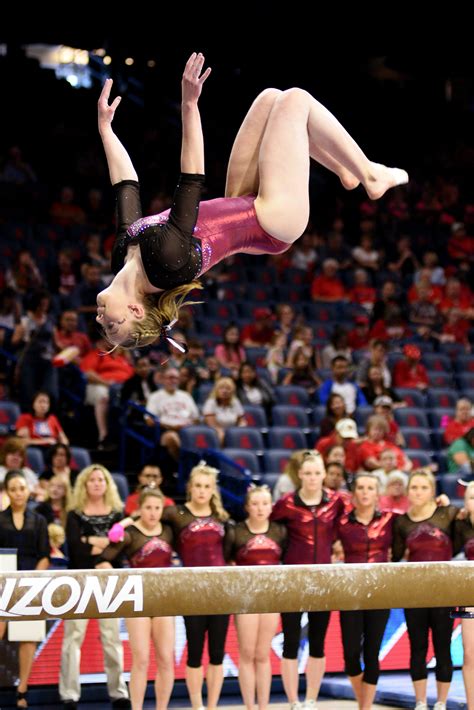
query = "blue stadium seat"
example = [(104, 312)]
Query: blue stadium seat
[(448, 484), (418, 458), (464, 364), (361, 415), (436, 362), (411, 417), (286, 437), (319, 412), (437, 415), (412, 396), (243, 438), (80, 458), (417, 438), (199, 437), (35, 459), (440, 380), (292, 394), (255, 416), (445, 398), (290, 416), (9, 413), (244, 457), (203, 392), (276, 460), (465, 380), (226, 311), (122, 485)]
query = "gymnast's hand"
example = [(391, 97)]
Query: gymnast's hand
[(191, 84), (105, 112)]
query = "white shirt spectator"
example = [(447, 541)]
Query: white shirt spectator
[(225, 416), (174, 410)]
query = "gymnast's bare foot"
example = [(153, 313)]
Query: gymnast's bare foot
[(382, 179), (348, 180)]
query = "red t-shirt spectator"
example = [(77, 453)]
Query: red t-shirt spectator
[(326, 287), (131, 504), (350, 447), (454, 430), (373, 449), (406, 374), (40, 428), (113, 368)]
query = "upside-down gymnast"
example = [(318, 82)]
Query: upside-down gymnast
[(157, 259)]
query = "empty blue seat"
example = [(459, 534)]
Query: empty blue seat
[(256, 416), (438, 414), (286, 437), (35, 459), (199, 437), (441, 398), (243, 438), (9, 413), (122, 485), (80, 458), (412, 396), (436, 362), (292, 394), (411, 417), (417, 438), (246, 459), (276, 459), (289, 416), (418, 458)]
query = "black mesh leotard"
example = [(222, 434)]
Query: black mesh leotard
[(142, 550), (171, 255)]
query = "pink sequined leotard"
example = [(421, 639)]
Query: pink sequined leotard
[(184, 242)]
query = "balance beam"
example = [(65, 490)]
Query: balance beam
[(94, 594)]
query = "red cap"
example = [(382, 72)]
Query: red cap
[(412, 352), (261, 313), (361, 320)]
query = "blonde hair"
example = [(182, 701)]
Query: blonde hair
[(66, 499), (217, 507), (294, 464), (150, 493), (160, 309), (252, 489), (424, 473), (469, 489), (79, 494), (223, 380), (56, 535)]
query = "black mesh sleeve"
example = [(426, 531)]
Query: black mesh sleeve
[(128, 210)]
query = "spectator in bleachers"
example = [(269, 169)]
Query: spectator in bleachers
[(431, 268), (252, 389), (375, 387), (57, 538), (335, 411), (335, 480), (371, 448), (358, 337), (286, 319), (64, 279), (26, 532), (376, 357), (457, 296), (222, 409), (423, 312), (84, 298), (40, 427), (67, 333), (302, 340), (16, 170), (288, 481), (365, 255), (139, 386), (391, 327), (56, 502), (35, 367), (395, 497), (460, 244), (340, 384), (361, 292), (337, 454), (24, 276), (214, 368), (389, 296), (455, 329), (94, 254), (188, 381), (58, 463), (464, 539), (383, 406), (388, 464), (345, 434), (327, 287), (13, 458), (423, 285), (102, 369), (405, 262), (230, 353), (195, 358), (65, 211), (303, 254), (338, 345), (11, 332), (461, 455), (149, 477), (175, 409), (410, 372), (336, 248), (260, 332), (302, 374), (462, 421), (275, 357)]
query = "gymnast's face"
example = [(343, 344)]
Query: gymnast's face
[(420, 491), (117, 315), (259, 506), (311, 475), (366, 491), (201, 489)]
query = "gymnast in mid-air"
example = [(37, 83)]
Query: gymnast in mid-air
[(158, 259)]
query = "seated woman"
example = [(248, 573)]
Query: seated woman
[(156, 259), (57, 501), (40, 428), (252, 389), (222, 409), (58, 460), (13, 458), (230, 353)]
